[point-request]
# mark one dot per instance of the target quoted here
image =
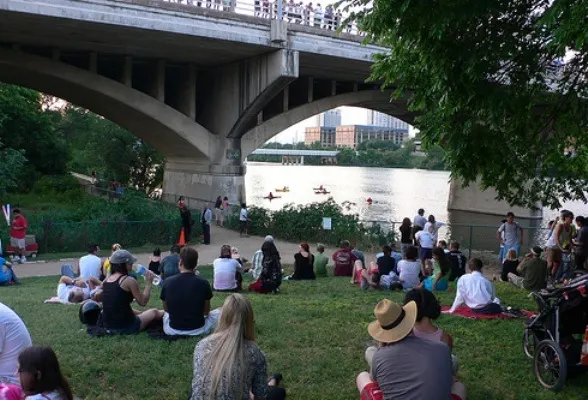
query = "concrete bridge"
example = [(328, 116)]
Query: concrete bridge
[(205, 87), (296, 157)]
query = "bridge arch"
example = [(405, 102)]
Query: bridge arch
[(172, 133), (372, 99)]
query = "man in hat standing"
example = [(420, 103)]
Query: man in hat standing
[(404, 367), (532, 272)]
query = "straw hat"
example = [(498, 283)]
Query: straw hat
[(393, 322)]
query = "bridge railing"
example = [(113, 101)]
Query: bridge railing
[(298, 12)]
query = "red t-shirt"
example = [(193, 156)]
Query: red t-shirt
[(18, 222), (344, 260)]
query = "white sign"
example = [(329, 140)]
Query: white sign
[(327, 223)]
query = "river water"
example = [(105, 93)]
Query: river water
[(396, 193)]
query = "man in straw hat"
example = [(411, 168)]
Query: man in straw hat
[(403, 366)]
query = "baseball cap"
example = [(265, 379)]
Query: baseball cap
[(268, 238), (122, 257)]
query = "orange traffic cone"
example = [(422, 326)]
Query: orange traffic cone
[(584, 359), (182, 241)]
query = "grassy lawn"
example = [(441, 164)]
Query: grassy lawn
[(314, 333)]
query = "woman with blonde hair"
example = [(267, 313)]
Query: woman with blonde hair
[(509, 265), (229, 364), (106, 266)]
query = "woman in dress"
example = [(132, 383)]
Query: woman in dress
[(229, 364)]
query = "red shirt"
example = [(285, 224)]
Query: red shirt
[(344, 260), (18, 222)]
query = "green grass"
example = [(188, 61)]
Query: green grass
[(314, 333)]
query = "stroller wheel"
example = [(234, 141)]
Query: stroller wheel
[(550, 365), (529, 343)]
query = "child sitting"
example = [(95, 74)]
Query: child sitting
[(40, 375), (509, 265), (320, 261)]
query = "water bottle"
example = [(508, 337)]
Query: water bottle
[(142, 271)]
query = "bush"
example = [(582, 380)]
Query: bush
[(56, 184), (303, 223)]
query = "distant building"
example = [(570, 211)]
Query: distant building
[(323, 134), (383, 120), (329, 118), (352, 135)]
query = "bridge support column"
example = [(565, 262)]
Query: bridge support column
[(202, 181), (472, 199)]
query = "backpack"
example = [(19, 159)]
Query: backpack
[(343, 258)]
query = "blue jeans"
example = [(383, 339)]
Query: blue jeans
[(7, 276)]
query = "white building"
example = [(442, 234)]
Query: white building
[(331, 118), (385, 121)]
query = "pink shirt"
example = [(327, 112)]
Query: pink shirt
[(433, 337)]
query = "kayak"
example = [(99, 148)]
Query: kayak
[(322, 192), (318, 188), (283, 190), (271, 198)]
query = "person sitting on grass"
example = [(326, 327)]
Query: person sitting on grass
[(170, 263), (91, 265), (405, 277), (532, 272), (320, 261), (303, 264), (476, 291), (509, 265), (270, 278), (257, 259), (7, 275), (186, 300), (40, 375), (155, 261), (106, 265), (439, 279), (404, 366), (14, 338), (458, 261), (229, 364), (443, 245), (386, 263), (227, 272), (119, 291), (77, 290), (344, 260)]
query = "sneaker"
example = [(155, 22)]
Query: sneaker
[(23, 260)]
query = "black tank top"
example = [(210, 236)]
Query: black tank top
[(116, 305)]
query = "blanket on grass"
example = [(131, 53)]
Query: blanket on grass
[(466, 312)]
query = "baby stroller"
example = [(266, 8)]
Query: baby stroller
[(548, 337)]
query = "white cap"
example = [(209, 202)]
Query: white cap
[(268, 238)]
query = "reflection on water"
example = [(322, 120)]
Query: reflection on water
[(396, 193)]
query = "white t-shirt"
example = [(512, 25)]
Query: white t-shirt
[(243, 215), (224, 273), (408, 272), (64, 290), (425, 239), (419, 220), (434, 228), (46, 396), (14, 338), (90, 266)]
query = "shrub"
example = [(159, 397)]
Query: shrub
[(56, 184)]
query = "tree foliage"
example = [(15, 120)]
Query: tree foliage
[(11, 163), (477, 72)]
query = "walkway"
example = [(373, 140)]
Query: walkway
[(247, 247)]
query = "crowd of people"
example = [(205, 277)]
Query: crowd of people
[(327, 17), (412, 357)]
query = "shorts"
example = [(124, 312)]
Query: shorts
[(210, 323), (553, 255), (371, 391), (425, 254), (18, 243), (132, 329)]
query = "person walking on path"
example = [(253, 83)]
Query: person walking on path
[(508, 235), (218, 205), (243, 221), (206, 220), (18, 233)]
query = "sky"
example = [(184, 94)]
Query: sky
[(349, 116)]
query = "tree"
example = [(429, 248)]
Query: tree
[(477, 72), (10, 167), (25, 126)]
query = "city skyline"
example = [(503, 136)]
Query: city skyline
[(349, 116)]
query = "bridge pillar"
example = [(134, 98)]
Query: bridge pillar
[(472, 199)]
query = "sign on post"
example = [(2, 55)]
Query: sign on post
[(327, 223)]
